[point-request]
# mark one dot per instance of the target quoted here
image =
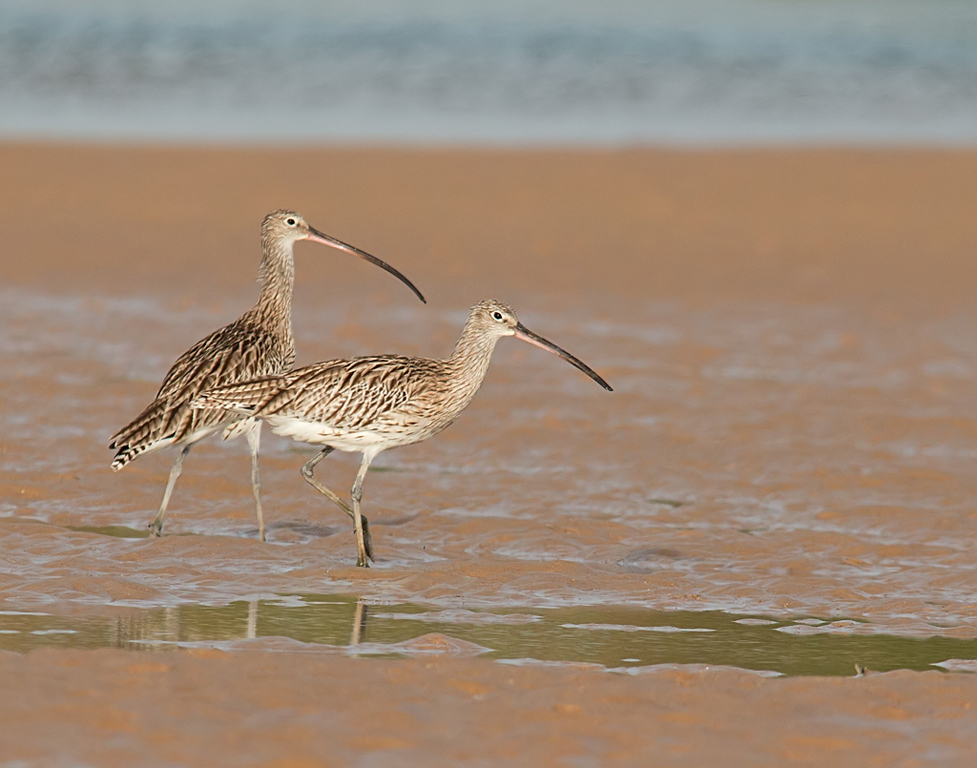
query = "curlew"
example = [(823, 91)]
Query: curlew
[(259, 343), (370, 404)]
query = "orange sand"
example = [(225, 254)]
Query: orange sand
[(790, 334)]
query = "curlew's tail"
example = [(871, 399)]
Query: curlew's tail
[(246, 399), (151, 430)]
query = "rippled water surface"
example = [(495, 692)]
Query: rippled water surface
[(704, 71)]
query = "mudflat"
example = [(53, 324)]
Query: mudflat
[(791, 444)]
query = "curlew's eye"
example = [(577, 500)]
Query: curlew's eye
[(290, 222), (497, 315)]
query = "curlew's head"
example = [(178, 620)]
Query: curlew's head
[(494, 319), (284, 228)]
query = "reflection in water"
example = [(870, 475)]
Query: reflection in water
[(359, 623), (611, 636), (252, 619), (117, 531)]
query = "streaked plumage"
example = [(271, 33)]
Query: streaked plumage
[(259, 343), (236, 352), (370, 404)]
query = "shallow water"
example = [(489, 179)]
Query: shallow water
[(754, 459), (702, 72), (614, 637)]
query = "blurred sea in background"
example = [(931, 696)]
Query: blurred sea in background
[(523, 72)]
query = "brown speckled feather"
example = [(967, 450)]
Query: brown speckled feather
[(383, 401), (365, 393), (237, 352), (356, 394)]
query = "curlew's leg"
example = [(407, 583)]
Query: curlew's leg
[(156, 527), (307, 473), (254, 440), (357, 495)]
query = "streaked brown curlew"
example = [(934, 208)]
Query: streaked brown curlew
[(370, 404), (259, 343)]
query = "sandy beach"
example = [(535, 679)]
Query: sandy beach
[(792, 439)]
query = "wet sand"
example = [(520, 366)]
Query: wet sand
[(790, 335), (200, 708)]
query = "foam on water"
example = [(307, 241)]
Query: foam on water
[(536, 72)]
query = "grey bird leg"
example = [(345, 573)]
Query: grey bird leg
[(357, 495), (307, 470), (156, 527), (254, 440)]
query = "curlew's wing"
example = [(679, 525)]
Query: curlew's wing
[(237, 352), (343, 394), (245, 398)]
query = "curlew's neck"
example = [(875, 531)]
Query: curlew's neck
[(273, 310), (468, 364)]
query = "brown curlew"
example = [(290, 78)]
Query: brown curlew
[(369, 404), (259, 343)]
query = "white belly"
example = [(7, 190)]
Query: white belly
[(322, 434)]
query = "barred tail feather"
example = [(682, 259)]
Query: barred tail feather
[(141, 435), (129, 453)]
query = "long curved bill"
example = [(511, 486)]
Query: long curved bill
[(318, 237), (522, 332)]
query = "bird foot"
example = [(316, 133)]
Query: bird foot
[(155, 530), (367, 539)]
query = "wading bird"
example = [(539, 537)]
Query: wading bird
[(259, 343), (369, 404)]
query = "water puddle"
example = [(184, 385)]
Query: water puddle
[(117, 531), (613, 637)]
